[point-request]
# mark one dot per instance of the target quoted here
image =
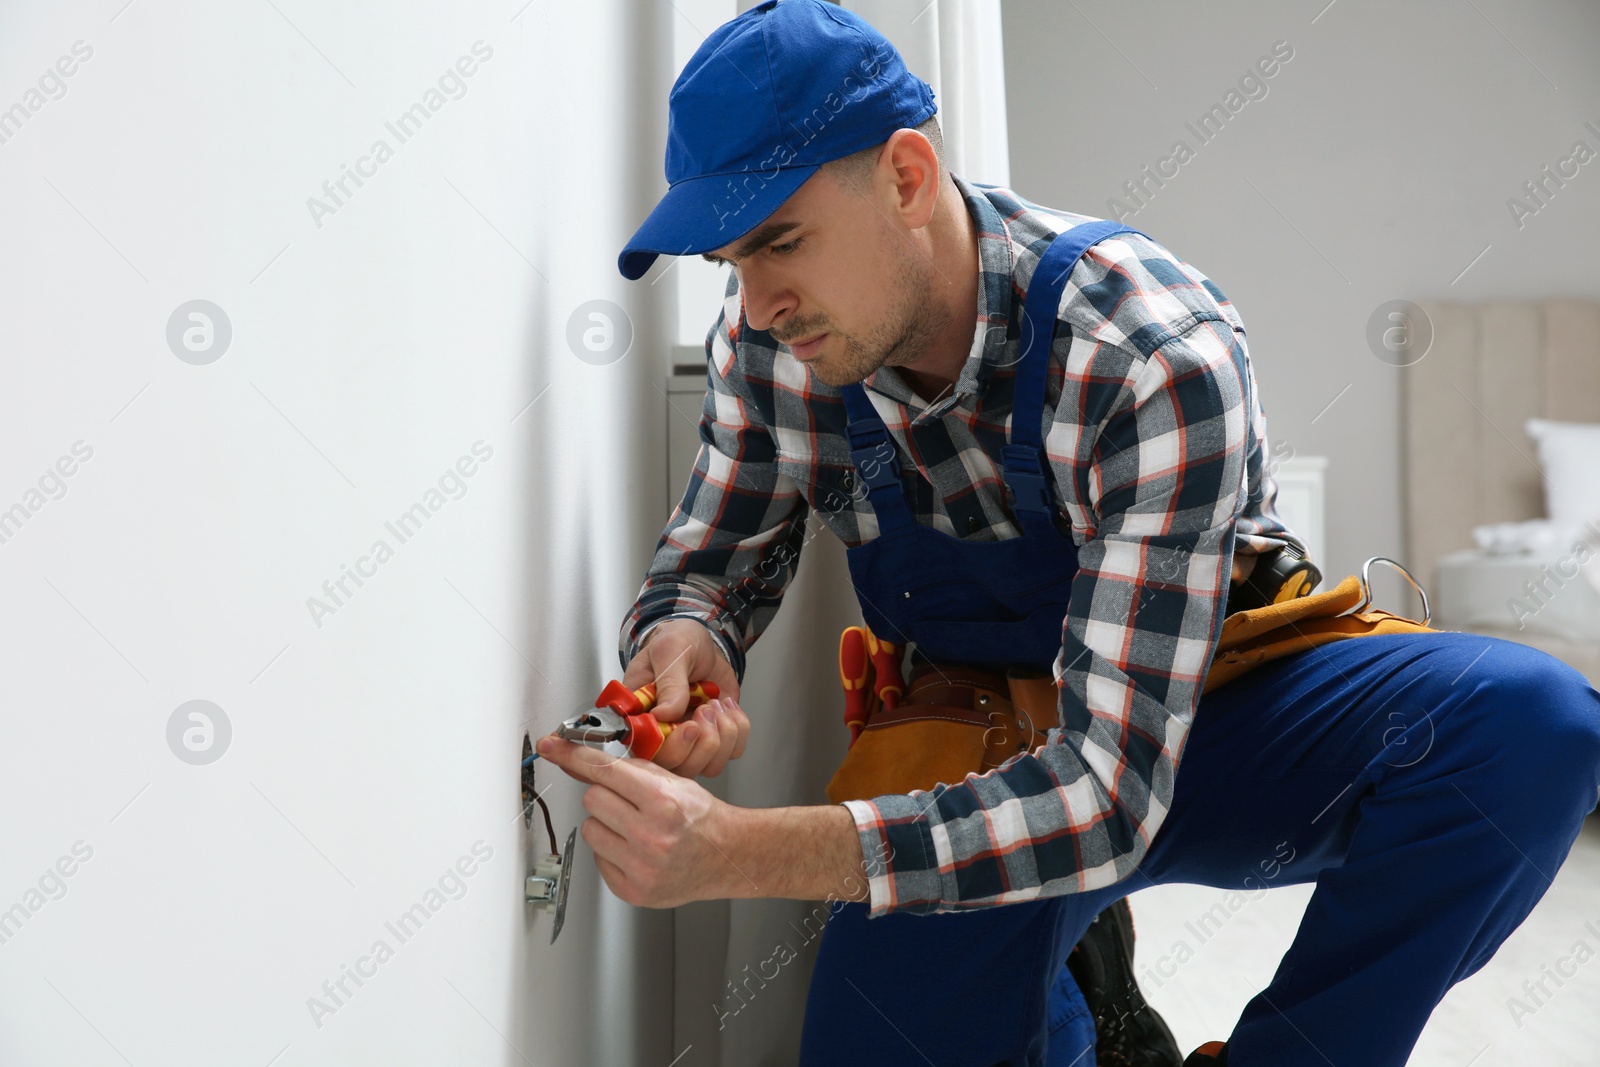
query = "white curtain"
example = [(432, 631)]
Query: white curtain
[(956, 47), (791, 687)]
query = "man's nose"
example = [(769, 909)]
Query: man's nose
[(766, 302)]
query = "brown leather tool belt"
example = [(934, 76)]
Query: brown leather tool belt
[(956, 719), (980, 696), (959, 719)]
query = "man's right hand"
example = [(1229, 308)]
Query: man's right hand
[(676, 654)]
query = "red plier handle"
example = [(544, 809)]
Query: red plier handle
[(645, 732)]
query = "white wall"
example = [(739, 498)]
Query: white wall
[(368, 353), (1377, 167)]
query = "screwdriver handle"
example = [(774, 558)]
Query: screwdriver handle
[(888, 683), (855, 675)]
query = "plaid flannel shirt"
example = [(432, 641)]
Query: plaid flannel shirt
[(1158, 447)]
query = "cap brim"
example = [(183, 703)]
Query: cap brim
[(700, 214)]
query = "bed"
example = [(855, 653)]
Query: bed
[(1471, 467)]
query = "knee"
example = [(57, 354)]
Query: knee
[(1546, 719)]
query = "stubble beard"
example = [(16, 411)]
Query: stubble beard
[(914, 322)]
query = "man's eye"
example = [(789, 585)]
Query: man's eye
[(787, 247)]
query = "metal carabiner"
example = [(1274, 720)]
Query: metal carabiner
[(1366, 587)]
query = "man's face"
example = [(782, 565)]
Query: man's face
[(831, 261)]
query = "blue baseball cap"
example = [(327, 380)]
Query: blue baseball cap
[(765, 101)]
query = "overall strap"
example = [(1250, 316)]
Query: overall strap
[(873, 453), (1026, 470)]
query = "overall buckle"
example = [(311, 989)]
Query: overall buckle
[(1022, 467), (877, 464)]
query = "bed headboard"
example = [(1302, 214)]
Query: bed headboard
[(1490, 367)]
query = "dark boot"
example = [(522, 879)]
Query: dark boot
[(1128, 1032)]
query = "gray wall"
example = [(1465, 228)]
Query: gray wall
[(1377, 166)]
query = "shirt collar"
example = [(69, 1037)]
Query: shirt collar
[(993, 315)]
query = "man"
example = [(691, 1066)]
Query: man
[(1040, 439)]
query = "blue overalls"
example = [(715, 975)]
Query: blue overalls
[(1430, 784)]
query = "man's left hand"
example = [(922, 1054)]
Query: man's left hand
[(706, 739), (654, 833)]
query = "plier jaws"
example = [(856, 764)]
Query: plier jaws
[(594, 727)]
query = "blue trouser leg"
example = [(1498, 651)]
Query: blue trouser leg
[(1429, 784), (952, 988)]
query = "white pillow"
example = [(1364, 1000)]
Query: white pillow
[(1569, 455), (1534, 536)]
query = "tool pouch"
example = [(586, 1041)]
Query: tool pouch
[(956, 720), (959, 720), (1260, 635)]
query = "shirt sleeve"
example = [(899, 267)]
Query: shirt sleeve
[(1164, 478), (732, 544)]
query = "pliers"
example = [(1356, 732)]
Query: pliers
[(622, 716)]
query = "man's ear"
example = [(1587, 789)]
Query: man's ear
[(913, 168)]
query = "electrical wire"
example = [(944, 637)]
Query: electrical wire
[(548, 825), (530, 794)]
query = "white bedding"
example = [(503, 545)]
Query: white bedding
[(1553, 589)]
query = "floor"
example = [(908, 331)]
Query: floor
[(1200, 977)]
